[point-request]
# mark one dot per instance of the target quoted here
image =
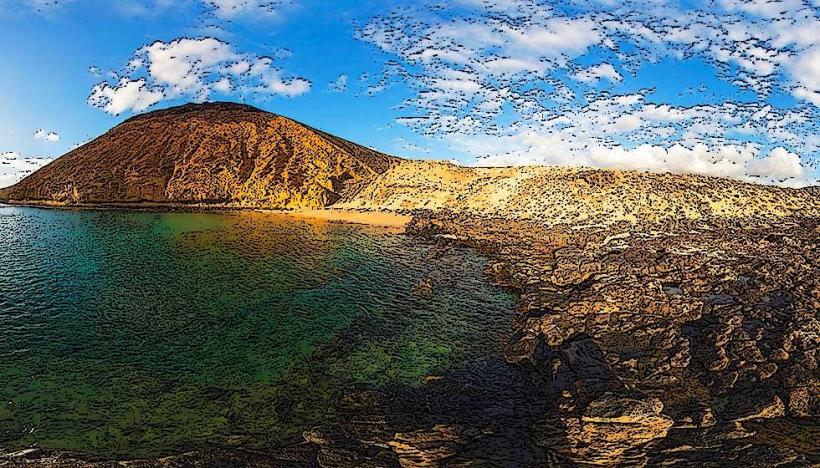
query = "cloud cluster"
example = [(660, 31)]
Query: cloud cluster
[(234, 8), (511, 81), (192, 68), (628, 132), (339, 85), (14, 167), (595, 73), (47, 136)]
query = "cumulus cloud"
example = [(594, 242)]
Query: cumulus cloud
[(779, 164), (598, 72), (14, 167), (729, 161), (126, 95), (627, 132), (192, 68), (505, 81), (47, 136), (806, 72)]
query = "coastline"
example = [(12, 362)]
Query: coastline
[(629, 318), (377, 218), (387, 219), (576, 290)]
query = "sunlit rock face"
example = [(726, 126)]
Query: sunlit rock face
[(611, 426), (206, 153), (653, 343)]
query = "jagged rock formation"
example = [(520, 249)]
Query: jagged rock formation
[(683, 341), (218, 153)]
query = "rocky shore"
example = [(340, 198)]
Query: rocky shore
[(679, 342)]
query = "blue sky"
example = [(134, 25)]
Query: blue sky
[(720, 87)]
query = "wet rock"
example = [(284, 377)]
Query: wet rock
[(527, 349), (706, 316), (804, 401), (425, 448), (613, 427)]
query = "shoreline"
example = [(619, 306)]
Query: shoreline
[(377, 218), (538, 339)]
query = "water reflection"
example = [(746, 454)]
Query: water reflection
[(140, 334)]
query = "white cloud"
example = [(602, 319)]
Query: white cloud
[(554, 37), (127, 95), (806, 72), (288, 88), (728, 161), (47, 136), (182, 66), (339, 85), (192, 68), (598, 72), (504, 81), (626, 123), (763, 8), (626, 132), (779, 164), (14, 167)]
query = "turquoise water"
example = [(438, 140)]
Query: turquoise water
[(133, 334)]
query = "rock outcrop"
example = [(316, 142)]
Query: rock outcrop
[(576, 196), (682, 341)]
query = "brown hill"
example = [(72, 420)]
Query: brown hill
[(236, 155), (217, 153)]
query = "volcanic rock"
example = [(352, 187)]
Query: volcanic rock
[(218, 153)]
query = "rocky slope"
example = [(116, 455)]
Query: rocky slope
[(226, 154), (555, 195), (219, 153)]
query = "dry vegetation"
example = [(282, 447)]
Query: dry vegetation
[(577, 196)]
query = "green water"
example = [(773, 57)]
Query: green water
[(143, 334)]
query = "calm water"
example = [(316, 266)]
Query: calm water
[(140, 334)]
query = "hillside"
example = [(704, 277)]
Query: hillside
[(206, 153), (574, 195), (236, 155)]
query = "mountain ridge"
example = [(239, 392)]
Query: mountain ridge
[(238, 156)]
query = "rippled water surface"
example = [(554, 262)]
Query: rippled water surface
[(140, 334)]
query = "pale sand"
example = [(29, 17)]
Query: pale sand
[(372, 218), (378, 218)]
